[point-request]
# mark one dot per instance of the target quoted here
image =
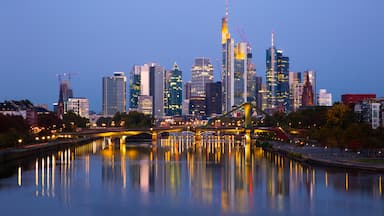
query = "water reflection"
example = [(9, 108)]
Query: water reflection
[(223, 173)]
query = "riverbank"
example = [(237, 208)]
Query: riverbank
[(329, 157), (17, 153)]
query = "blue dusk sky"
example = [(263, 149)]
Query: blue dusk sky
[(342, 40)]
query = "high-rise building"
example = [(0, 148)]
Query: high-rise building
[(174, 91), (114, 94), (197, 106), (213, 98), (156, 82), (187, 90), (295, 90), (252, 88), (227, 72), (308, 98), (202, 73), (134, 87), (277, 78), (259, 95), (80, 106), (151, 78), (240, 73), (325, 98), (283, 81)]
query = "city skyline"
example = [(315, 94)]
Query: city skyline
[(94, 39)]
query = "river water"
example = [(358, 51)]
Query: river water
[(219, 178)]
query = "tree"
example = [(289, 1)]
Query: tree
[(72, 121)]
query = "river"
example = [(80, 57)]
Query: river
[(219, 178)]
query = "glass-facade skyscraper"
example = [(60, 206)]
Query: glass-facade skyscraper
[(134, 87), (114, 94), (227, 71), (202, 73), (240, 73), (174, 92), (277, 80)]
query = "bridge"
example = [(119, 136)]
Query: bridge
[(245, 129)]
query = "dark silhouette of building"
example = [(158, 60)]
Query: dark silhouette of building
[(213, 98), (197, 106)]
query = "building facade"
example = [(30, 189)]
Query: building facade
[(202, 73), (324, 98), (227, 71), (114, 94), (134, 87), (295, 91), (240, 73), (174, 92), (213, 99), (277, 73), (80, 106)]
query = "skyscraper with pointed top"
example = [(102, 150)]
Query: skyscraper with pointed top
[(227, 71), (277, 73), (173, 92)]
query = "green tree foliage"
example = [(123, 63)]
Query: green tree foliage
[(49, 122), (132, 120), (72, 121), (13, 128)]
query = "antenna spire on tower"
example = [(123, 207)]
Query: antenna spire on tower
[(273, 39), (226, 8)]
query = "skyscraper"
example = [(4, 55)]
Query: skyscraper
[(114, 94), (227, 72), (259, 95), (152, 78), (156, 83), (296, 90), (202, 73), (134, 87), (240, 73), (252, 89), (187, 90), (173, 83), (277, 78), (213, 98)]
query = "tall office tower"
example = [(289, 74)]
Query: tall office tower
[(213, 98), (312, 78), (80, 106), (114, 94), (295, 90), (227, 71), (252, 90), (325, 98), (134, 87), (283, 81), (152, 84), (271, 75), (174, 97), (308, 94), (187, 90), (277, 78), (240, 73), (259, 95), (202, 73)]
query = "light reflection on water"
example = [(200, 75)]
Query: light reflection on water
[(217, 173)]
